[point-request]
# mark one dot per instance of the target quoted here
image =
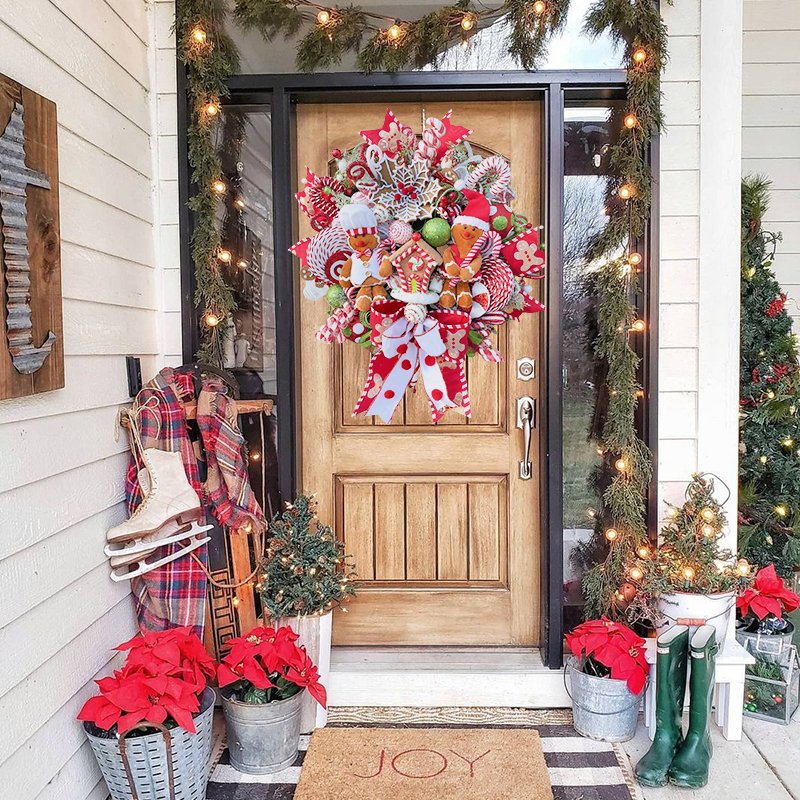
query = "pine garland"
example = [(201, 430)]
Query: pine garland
[(769, 427), (210, 58), (624, 476), (396, 44)]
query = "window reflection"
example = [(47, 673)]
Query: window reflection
[(586, 140), (246, 233)]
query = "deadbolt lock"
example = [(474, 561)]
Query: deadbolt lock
[(526, 369)]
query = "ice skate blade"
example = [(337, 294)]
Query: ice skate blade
[(181, 518), (137, 547), (144, 566)]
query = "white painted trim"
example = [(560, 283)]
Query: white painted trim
[(450, 677), (719, 289)]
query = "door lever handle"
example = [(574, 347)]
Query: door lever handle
[(526, 420)]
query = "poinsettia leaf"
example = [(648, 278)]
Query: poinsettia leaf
[(129, 721), (182, 717)]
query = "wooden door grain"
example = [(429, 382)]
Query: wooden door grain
[(444, 533)]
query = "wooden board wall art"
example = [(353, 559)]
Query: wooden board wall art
[(31, 345)]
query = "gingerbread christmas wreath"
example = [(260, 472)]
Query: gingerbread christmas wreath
[(419, 257)]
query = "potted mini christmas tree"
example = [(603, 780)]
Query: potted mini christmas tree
[(305, 576), (690, 577)]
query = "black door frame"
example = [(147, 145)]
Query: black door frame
[(281, 92)]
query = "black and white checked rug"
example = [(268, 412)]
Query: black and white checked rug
[(579, 768)]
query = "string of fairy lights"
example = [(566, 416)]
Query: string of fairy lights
[(210, 57)]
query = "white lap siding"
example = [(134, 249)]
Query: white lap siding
[(771, 125), (699, 234), (61, 467)]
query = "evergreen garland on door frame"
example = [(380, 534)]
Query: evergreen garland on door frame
[(210, 58), (769, 427)]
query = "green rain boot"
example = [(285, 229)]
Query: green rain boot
[(671, 650), (690, 766)]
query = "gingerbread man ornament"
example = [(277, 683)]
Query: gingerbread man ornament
[(462, 259), (368, 267)]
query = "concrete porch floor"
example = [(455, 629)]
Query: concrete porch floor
[(765, 765)]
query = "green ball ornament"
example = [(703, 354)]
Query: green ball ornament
[(335, 296), (436, 231), (500, 223)]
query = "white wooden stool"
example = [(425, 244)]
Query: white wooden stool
[(728, 691)]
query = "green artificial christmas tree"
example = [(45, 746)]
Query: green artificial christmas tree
[(769, 429), (305, 570)]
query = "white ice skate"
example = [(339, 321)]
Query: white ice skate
[(125, 567), (169, 513)]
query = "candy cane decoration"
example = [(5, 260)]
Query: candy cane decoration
[(486, 349), (428, 146), (500, 186), (332, 330)]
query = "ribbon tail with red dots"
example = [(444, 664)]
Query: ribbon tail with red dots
[(405, 350)]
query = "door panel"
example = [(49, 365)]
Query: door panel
[(444, 533)]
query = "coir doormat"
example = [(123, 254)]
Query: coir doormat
[(578, 768), (423, 763)]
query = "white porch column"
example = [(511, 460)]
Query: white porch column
[(719, 273)]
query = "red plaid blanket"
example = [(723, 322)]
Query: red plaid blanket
[(174, 595)]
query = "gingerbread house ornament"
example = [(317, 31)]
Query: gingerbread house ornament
[(414, 263)]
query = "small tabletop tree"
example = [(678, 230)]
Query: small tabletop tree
[(305, 571)]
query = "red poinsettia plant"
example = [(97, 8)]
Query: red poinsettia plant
[(767, 597), (267, 665), (609, 649), (161, 682)]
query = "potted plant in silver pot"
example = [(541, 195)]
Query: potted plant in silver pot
[(608, 672), (305, 577), (262, 681), (152, 719), (763, 629)]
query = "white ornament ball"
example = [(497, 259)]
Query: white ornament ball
[(400, 232), (415, 313)]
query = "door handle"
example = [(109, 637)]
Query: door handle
[(526, 420)]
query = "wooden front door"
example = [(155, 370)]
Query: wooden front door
[(444, 533)]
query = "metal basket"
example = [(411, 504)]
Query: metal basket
[(169, 765)]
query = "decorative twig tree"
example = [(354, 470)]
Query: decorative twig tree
[(769, 428)]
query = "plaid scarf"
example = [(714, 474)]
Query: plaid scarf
[(174, 594)]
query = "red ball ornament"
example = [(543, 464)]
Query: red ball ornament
[(628, 591), (416, 236), (336, 153)]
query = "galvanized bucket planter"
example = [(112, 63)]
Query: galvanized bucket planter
[(168, 765), (774, 648), (694, 610), (262, 738), (602, 708)]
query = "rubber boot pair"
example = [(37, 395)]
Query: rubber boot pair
[(673, 758)]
